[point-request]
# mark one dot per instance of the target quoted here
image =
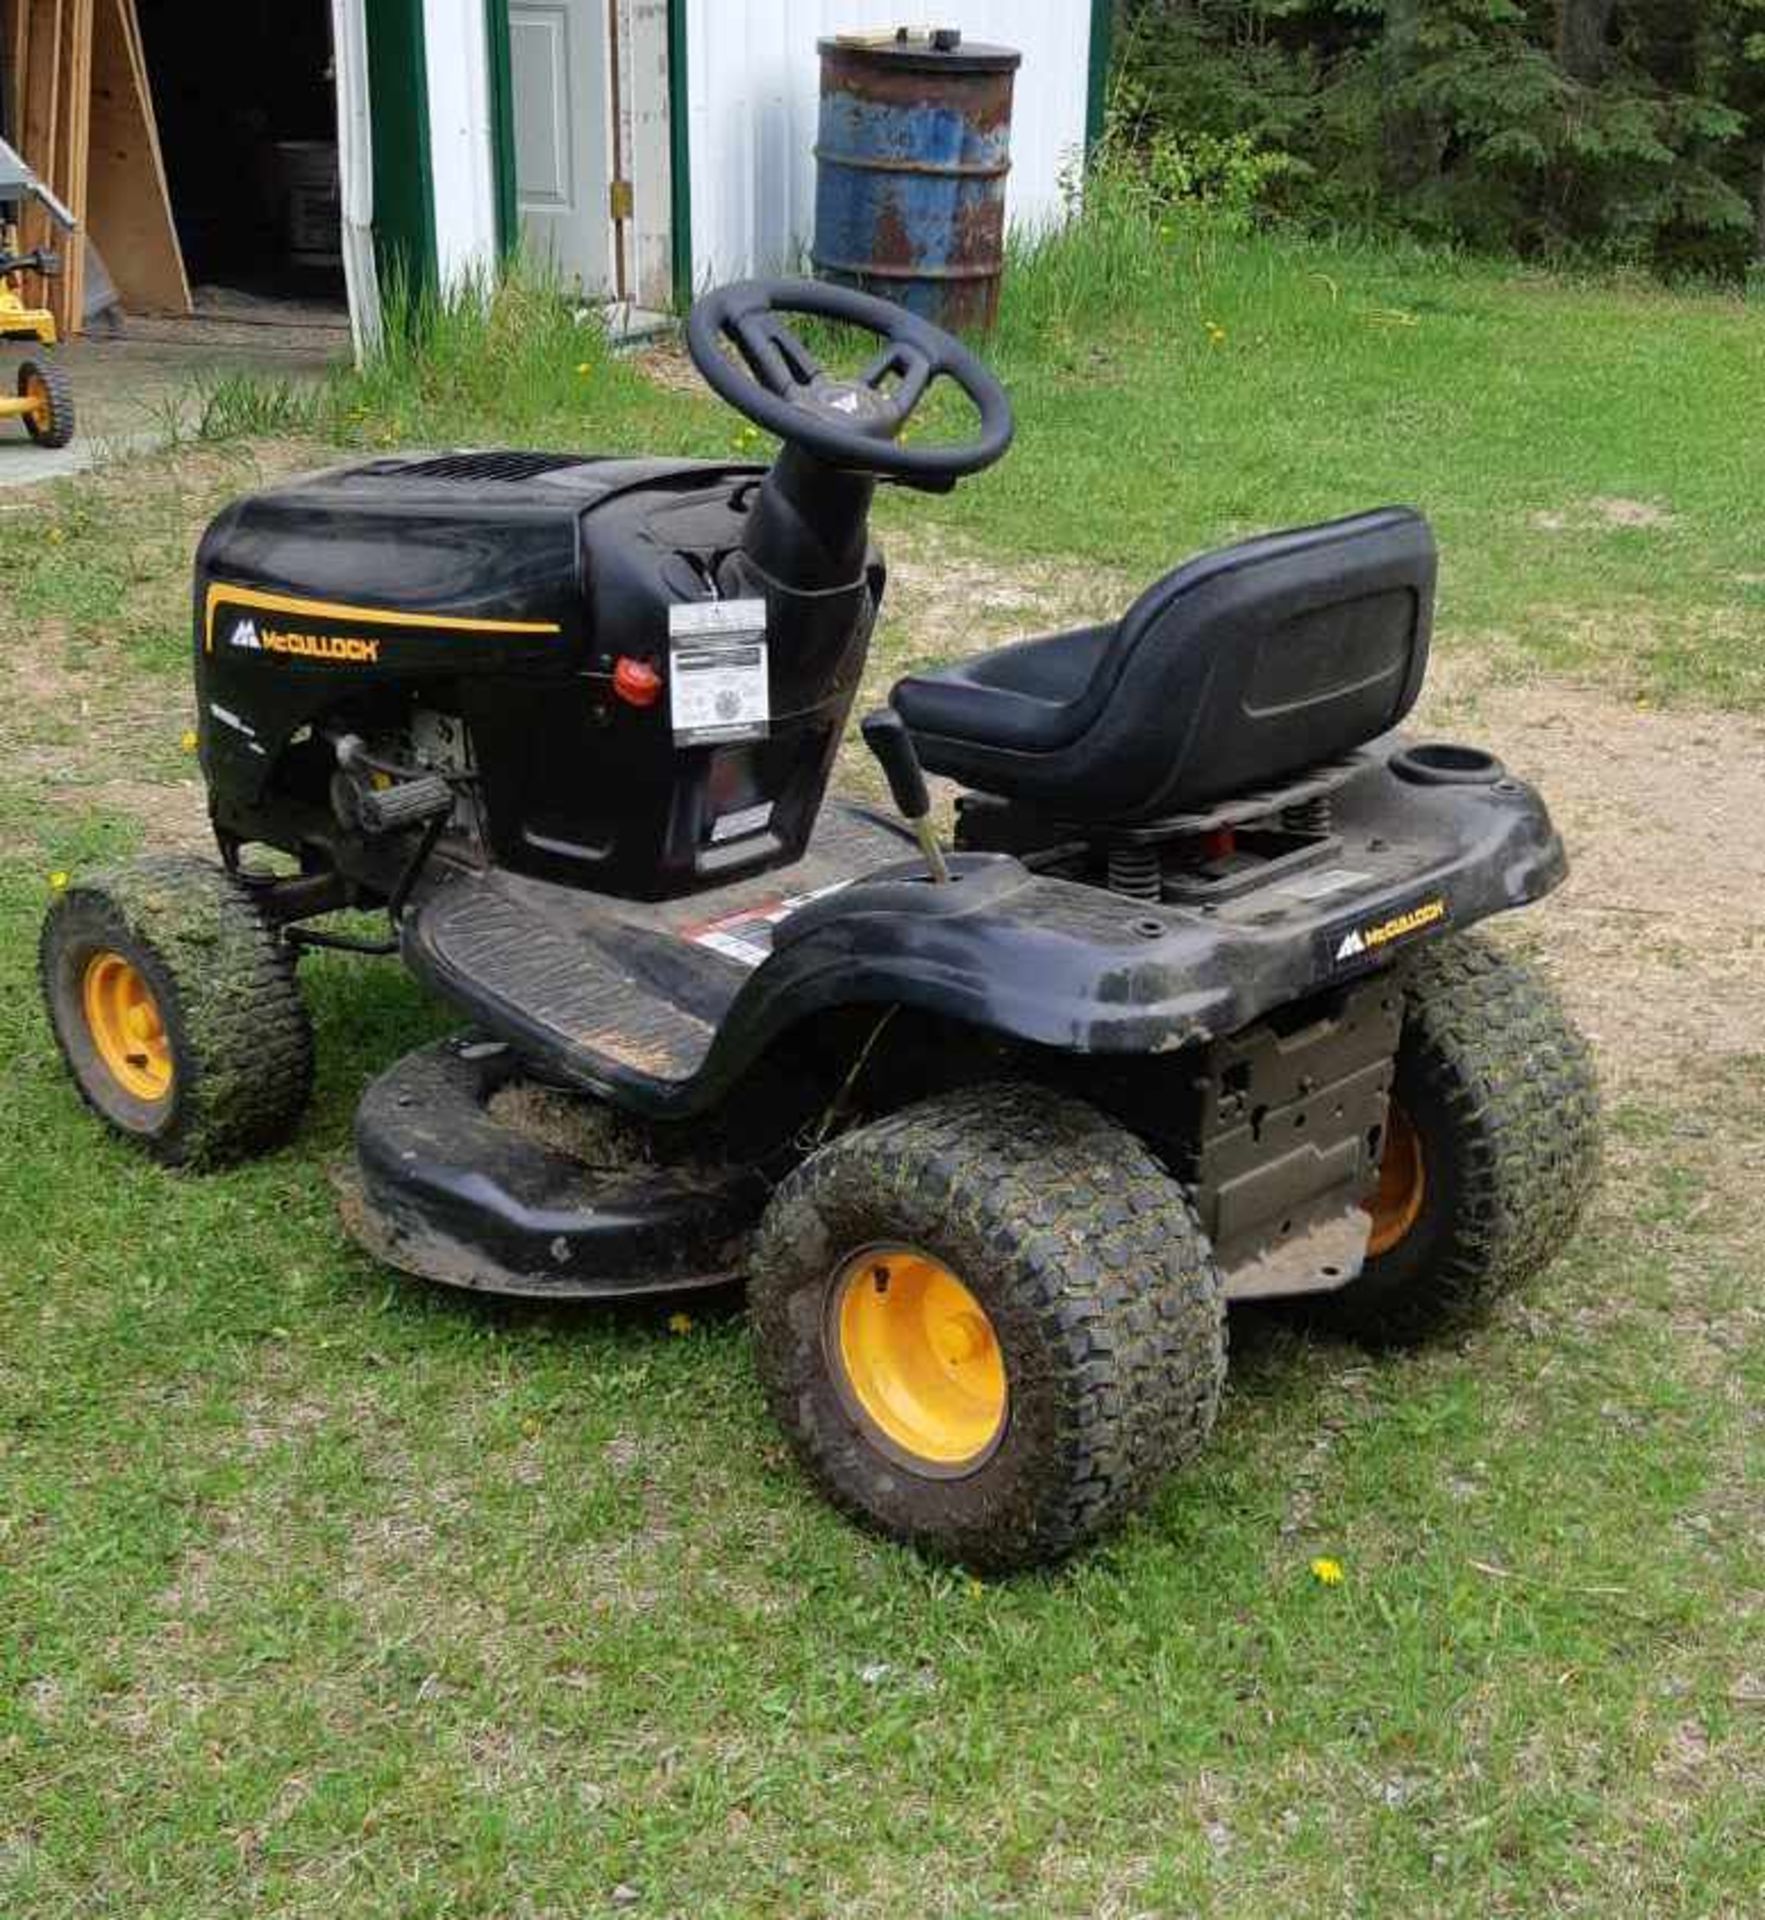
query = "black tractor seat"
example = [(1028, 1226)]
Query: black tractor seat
[(1236, 670)]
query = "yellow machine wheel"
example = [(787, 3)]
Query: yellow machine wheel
[(918, 1359), (1403, 1184), (126, 1026), (50, 421), (1491, 1147), (989, 1322), (176, 1009)]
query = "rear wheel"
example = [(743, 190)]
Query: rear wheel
[(176, 1009), (1491, 1146), (51, 419), (989, 1323)]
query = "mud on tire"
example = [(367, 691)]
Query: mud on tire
[(230, 1029), (1500, 1090), (1087, 1259)]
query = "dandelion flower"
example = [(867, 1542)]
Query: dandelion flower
[(680, 1323), (57, 882), (585, 368), (1327, 1573), (187, 740)]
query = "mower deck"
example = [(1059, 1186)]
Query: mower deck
[(451, 1188)]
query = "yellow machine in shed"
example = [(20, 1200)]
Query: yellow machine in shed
[(43, 398)]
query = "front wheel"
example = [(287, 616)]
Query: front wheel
[(176, 1009), (1491, 1147), (989, 1323)]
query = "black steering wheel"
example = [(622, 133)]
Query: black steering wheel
[(852, 424)]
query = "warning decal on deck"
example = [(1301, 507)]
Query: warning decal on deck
[(718, 686), (745, 935)]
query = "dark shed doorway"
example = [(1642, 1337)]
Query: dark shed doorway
[(246, 101)]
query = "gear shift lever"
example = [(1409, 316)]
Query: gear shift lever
[(885, 734)]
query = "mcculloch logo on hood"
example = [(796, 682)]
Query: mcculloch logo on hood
[(320, 646), (1400, 926)]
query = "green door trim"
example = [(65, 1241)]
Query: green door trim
[(680, 185), (1097, 73), (502, 126), (404, 179)]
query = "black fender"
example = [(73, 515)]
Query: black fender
[(1078, 969)]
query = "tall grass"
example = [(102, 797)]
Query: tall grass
[(505, 355), (1135, 257), (1108, 259)]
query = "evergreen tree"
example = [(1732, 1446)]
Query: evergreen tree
[(1630, 129)]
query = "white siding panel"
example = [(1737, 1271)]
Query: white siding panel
[(753, 87), (355, 163), (643, 33), (460, 143)]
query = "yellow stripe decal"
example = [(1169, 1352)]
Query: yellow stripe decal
[(219, 590)]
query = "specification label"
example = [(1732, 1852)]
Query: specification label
[(717, 671)]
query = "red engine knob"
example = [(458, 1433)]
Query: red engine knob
[(636, 682)]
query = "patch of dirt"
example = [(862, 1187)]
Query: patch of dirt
[(1602, 514), (1658, 936), (668, 365), (173, 814)]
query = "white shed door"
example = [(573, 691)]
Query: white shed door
[(558, 69)]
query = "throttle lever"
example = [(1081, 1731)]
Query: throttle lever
[(885, 734)]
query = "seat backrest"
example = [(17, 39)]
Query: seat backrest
[(1249, 664)]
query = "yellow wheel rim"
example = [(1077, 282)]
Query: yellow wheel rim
[(42, 414), (1403, 1184), (918, 1360), (126, 1026)]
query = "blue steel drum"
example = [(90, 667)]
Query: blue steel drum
[(914, 147)]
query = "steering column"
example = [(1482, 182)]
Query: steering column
[(809, 523)]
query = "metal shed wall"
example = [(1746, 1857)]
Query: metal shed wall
[(752, 84)]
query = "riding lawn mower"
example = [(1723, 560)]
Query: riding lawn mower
[(1187, 1008)]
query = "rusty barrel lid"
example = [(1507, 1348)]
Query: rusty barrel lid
[(917, 50)]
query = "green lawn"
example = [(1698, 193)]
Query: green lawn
[(325, 1593)]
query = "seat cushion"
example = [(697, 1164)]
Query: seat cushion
[(1236, 670), (1030, 696)]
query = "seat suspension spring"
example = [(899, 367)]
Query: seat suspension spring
[(1311, 817), (1134, 872)]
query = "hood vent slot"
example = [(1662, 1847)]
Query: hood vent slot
[(475, 466)]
